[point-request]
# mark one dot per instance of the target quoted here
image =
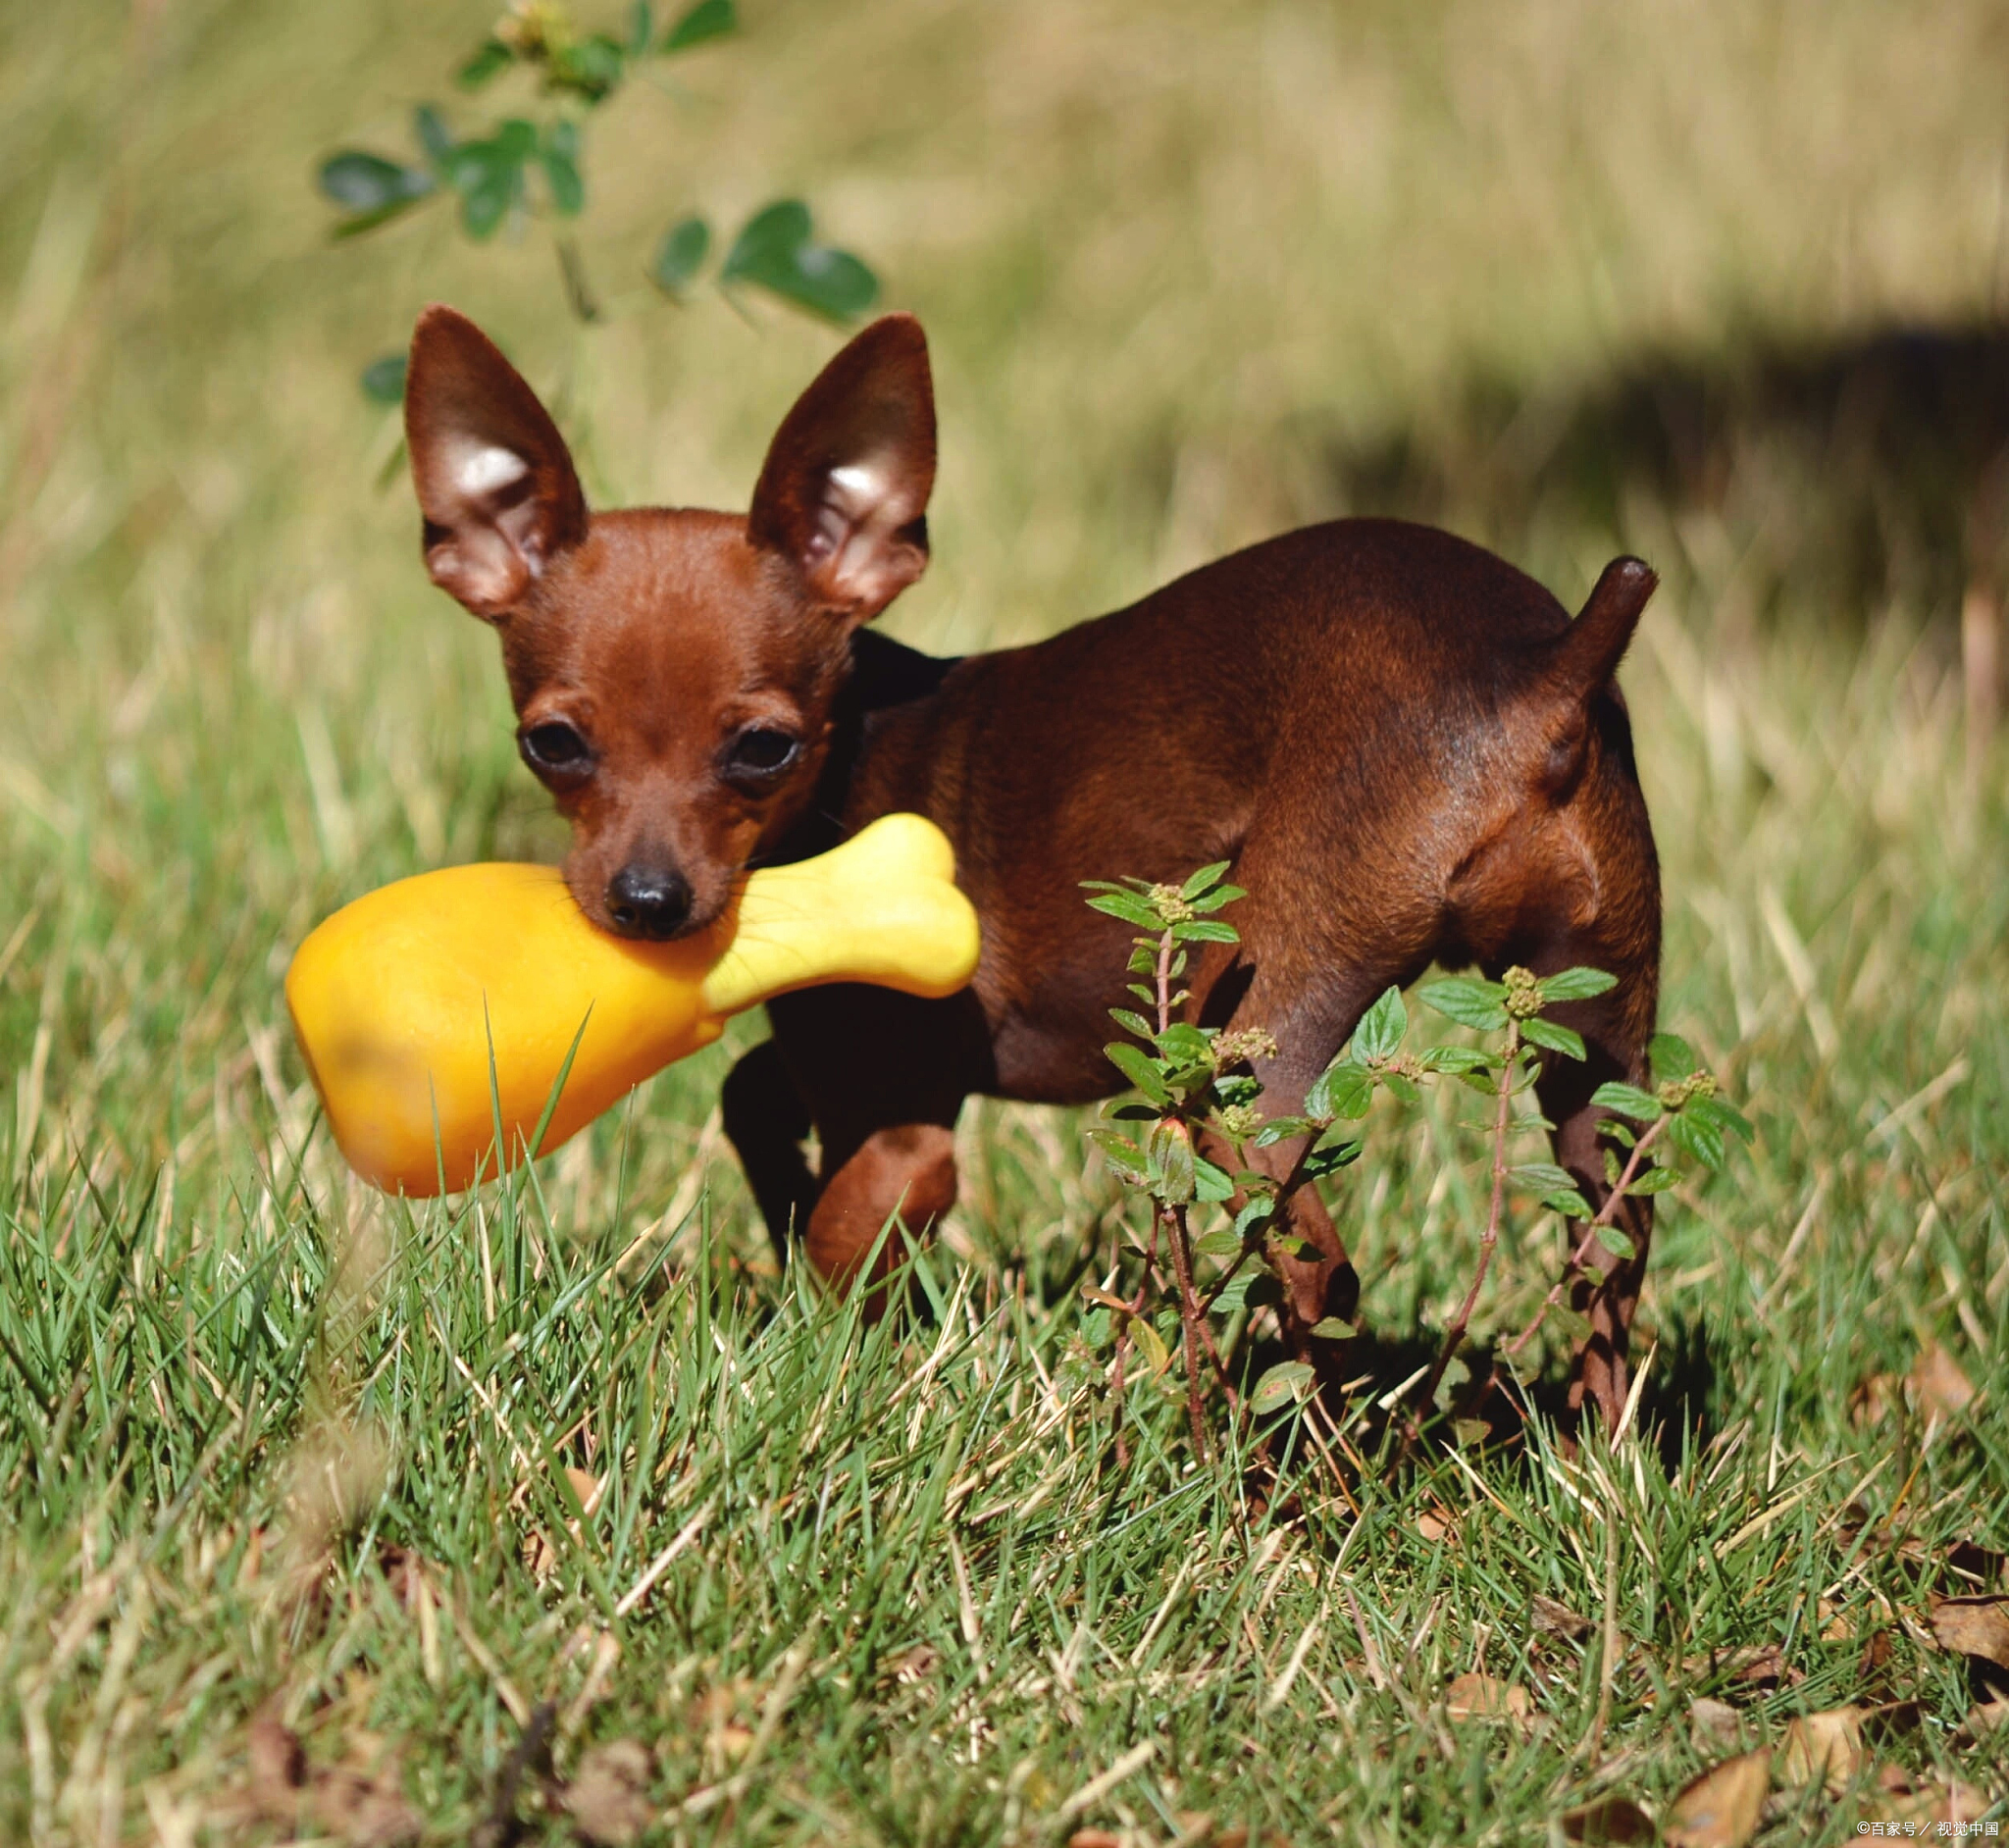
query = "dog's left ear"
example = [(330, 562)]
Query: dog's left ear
[(844, 494)]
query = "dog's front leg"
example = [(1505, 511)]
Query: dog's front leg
[(766, 1121)]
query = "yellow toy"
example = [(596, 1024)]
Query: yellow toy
[(399, 997)]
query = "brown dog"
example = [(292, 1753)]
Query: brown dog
[(1406, 748)]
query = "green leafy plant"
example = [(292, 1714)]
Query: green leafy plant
[(531, 167), (1194, 1090)]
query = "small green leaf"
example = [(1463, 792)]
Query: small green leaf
[(1569, 985), (1699, 1141), (490, 59), (369, 185), (1556, 1039), (1282, 1129), (1204, 929), (1128, 906), (1541, 1177), (1457, 1060), (590, 70), (433, 135), (1253, 1214), (1172, 1166), (383, 380), (1569, 1203), (1186, 1042), (1329, 1157), (489, 176), (1618, 1243), (1332, 1328), (706, 21), (1379, 1033), (1216, 899), (561, 170), (1139, 1068), (1284, 1385), (1344, 1088), (1572, 1323), (1401, 1086), (1722, 1115), (775, 250), (1197, 883), (1654, 1181), (1151, 1344), (1125, 1159), (1251, 1287), (1219, 1244), (1132, 1022), (1210, 1182), (1671, 1056), (640, 28), (1466, 1001), (1627, 1101), (1456, 1374)]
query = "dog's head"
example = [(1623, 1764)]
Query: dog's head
[(673, 670)]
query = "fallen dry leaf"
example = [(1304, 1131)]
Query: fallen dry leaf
[(1721, 1808), (1825, 1745), (1435, 1526), (1973, 1626), (1485, 1697), (359, 1803), (1938, 1383), (1982, 1564), (1714, 1726), (1095, 1838), (1614, 1819), (1558, 1619), (1990, 1716), (608, 1798), (1755, 1664), (539, 1555), (1924, 1803)]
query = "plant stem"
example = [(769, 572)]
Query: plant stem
[(578, 286), (1606, 1212), (1503, 1117), (1189, 1320)]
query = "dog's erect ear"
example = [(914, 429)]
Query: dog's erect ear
[(844, 494), (494, 479)]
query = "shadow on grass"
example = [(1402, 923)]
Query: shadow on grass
[(1854, 470), (1677, 1405)]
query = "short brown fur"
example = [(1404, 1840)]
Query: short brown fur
[(1405, 747)]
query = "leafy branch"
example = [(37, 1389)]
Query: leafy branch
[(1195, 1086), (527, 168)]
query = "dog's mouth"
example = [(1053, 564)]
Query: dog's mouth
[(651, 911)]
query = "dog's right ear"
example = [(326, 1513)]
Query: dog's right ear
[(494, 479)]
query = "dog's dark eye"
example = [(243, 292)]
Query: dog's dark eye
[(757, 756), (556, 753)]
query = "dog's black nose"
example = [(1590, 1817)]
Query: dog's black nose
[(648, 902)]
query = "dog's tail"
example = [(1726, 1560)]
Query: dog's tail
[(1579, 666), (1586, 654)]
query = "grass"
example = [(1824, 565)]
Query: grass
[(278, 1454)]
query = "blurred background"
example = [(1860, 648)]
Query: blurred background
[(1720, 282)]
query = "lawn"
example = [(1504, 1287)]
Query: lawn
[(561, 1506)]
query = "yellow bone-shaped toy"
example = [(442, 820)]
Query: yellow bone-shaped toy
[(399, 997)]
